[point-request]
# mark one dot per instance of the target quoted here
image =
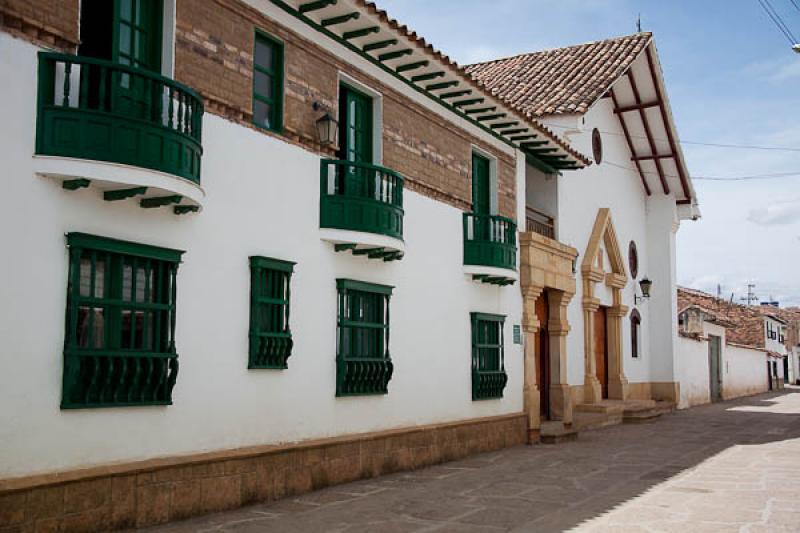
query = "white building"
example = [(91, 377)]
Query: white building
[(212, 302), (603, 235)]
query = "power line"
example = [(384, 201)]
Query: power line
[(795, 4), (712, 178), (696, 143), (776, 18)]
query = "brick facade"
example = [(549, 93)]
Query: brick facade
[(161, 490), (214, 55), (50, 23)]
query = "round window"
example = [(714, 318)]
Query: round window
[(633, 260), (597, 146)]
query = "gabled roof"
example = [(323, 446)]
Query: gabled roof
[(569, 81), (747, 322), (364, 29), (563, 80)]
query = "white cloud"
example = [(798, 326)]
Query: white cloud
[(787, 71), (779, 213)]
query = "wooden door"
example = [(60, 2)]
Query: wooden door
[(355, 139), (542, 342), (714, 368), (601, 349)]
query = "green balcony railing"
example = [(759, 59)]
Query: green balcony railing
[(490, 240), (95, 109), (361, 197)]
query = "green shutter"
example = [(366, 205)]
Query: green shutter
[(270, 335), (481, 187), (268, 82), (488, 367), (119, 345), (363, 364)]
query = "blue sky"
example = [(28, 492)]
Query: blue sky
[(731, 78)]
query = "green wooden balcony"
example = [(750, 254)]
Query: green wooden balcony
[(490, 241), (361, 197), (103, 111)]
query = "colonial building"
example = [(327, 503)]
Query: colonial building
[(598, 266), (259, 247)]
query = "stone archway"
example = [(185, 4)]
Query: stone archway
[(593, 272)]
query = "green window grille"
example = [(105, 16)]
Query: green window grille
[(119, 346), (363, 365), (268, 82), (488, 368), (270, 335)]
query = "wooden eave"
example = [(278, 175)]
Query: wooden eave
[(640, 104), (368, 31)]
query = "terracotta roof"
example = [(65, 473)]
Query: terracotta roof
[(560, 81), (747, 322)]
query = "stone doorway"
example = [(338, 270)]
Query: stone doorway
[(603, 263)]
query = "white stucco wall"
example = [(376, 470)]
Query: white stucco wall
[(649, 221), (694, 372), (262, 199), (745, 372)]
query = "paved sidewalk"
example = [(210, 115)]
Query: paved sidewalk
[(733, 466)]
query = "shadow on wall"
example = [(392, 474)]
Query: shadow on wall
[(541, 488)]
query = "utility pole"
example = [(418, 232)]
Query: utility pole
[(751, 297)]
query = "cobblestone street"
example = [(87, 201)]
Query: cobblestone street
[(732, 466)]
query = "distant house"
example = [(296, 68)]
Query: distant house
[(731, 344), (785, 325)]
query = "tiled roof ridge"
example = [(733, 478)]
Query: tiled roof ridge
[(412, 35), (561, 81), (648, 34)]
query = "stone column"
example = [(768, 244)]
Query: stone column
[(617, 382), (592, 390), (558, 327), (530, 391)]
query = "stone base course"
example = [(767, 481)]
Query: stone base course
[(156, 491)]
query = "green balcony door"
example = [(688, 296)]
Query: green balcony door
[(128, 32), (481, 188), (355, 136), (481, 196)]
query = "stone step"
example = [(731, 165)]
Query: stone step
[(555, 432), (583, 421), (640, 413)]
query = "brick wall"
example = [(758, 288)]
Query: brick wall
[(49, 23), (214, 55)]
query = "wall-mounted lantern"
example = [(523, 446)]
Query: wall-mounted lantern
[(645, 285), (327, 128)]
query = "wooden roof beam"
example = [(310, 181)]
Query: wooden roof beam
[(363, 32), (314, 6), (635, 107), (648, 133), (341, 19), (630, 146), (651, 157), (377, 45), (670, 137), (441, 85)]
